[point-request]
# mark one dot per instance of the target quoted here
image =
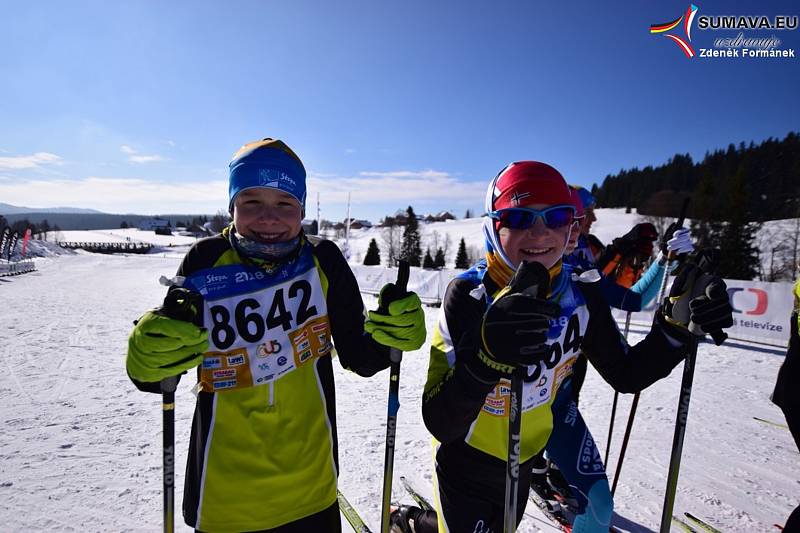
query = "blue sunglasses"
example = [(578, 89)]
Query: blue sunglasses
[(523, 217)]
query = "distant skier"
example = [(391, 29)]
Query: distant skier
[(588, 247), (263, 448), (621, 263), (485, 332), (786, 395)]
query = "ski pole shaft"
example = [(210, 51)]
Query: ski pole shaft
[(180, 305), (512, 465), (625, 439), (677, 440), (616, 395), (395, 357), (538, 280), (671, 254), (661, 295), (168, 387)]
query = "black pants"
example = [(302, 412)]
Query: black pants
[(325, 521), (792, 414), (472, 489)]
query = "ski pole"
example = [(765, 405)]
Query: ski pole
[(636, 272), (395, 356), (616, 394), (706, 266), (512, 466), (168, 386), (539, 287), (180, 305), (635, 403)]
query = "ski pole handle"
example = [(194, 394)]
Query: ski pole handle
[(400, 287), (395, 356)]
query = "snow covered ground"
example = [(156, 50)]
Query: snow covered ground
[(81, 447)]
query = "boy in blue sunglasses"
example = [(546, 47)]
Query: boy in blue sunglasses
[(486, 331)]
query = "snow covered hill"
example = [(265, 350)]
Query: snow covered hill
[(610, 223), (81, 447)]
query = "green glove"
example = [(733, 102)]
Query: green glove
[(160, 347), (401, 325)]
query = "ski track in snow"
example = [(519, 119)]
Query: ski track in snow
[(81, 449)]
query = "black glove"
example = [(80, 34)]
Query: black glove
[(637, 242), (698, 300), (514, 328)]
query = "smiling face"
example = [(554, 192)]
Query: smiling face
[(537, 243), (267, 215)]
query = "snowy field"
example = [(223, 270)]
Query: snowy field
[(81, 447)]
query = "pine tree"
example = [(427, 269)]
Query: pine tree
[(411, 250), (438, 261), (373, 256), (427, 261), (462, 260), (739, 257)]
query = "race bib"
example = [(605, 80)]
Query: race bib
[(556, 367), (260, 326)]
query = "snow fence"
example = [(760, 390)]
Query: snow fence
[(761, 310), (14, 268)]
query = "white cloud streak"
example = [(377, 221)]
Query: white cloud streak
[(119, 195), (33, 161), (135, 157), (396, 186), (145, 158), (379, 193)]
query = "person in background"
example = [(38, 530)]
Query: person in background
[(786, 395)]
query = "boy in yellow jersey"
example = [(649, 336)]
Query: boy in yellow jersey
[(275, 304)]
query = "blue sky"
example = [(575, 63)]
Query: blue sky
[(137, 106)]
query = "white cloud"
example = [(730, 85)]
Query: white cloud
[(171, 143), (119, 195), (36, 160), (145, 158), (401, 185), (135, 157), (350, 150)]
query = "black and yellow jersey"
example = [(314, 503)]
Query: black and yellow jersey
[(468, 414), (263, 448)]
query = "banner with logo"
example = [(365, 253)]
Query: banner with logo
[(761, 309)]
